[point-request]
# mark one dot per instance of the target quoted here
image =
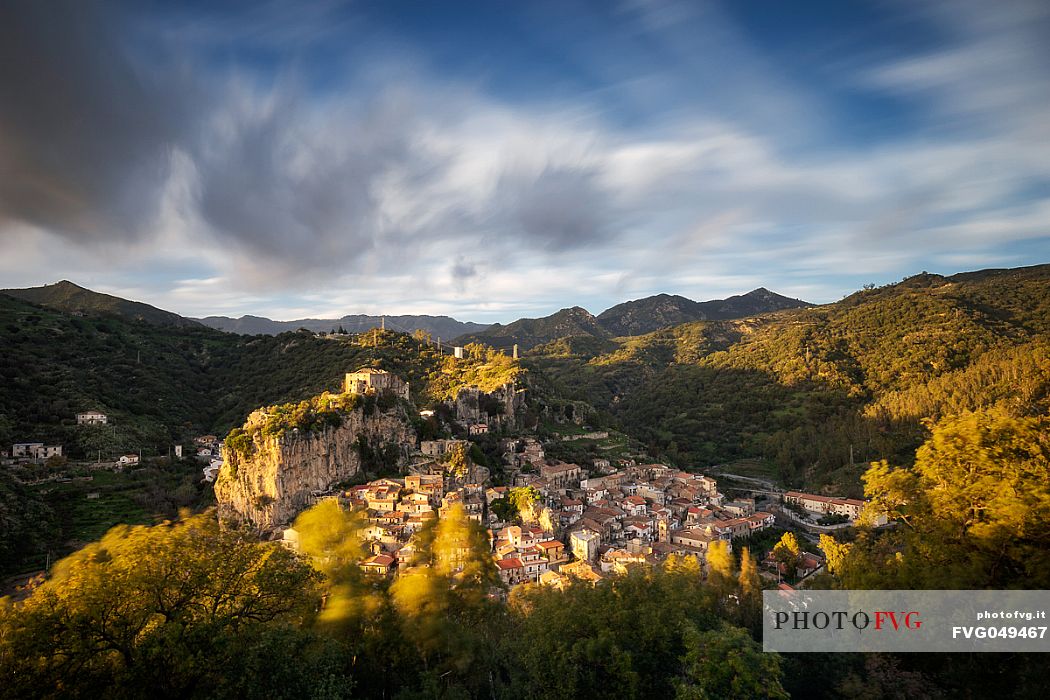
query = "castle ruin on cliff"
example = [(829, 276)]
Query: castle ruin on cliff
[(368, 380)]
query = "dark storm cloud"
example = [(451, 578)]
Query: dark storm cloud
[(562, 208), (463, 270), (306, 188), (96, 101), (86, 132)]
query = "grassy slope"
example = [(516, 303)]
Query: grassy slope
[(68, 297)]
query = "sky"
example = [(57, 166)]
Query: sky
[(494, 160)]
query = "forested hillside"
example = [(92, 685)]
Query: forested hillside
[(805, 387), (72, 298), (652, 313), (159, 384)]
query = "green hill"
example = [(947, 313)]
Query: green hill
[(663, 310), (159, 384), (71, 298), (813, 393), (805, 388), (530, 332)]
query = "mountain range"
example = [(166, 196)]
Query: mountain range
[(629, 318), (814, 394), (437, 326)]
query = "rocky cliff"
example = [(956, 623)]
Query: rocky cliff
[(272, 479), (494, 407)]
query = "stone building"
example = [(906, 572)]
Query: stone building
[(371, 381)]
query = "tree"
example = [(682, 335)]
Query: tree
[(332, 538), (443, 599), (727, 664), (546, 520), (788, 552), (974, 510), (504, 509), (750, 582), (720, 566), (750, 586), (138, 609), (457, 461), (524, 499), (835, 553), (623, 636)]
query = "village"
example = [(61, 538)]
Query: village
[(574, 525), (556, 521)]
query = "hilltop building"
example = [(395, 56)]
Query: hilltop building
[(371, 381)]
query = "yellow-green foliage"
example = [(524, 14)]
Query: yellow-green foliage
[(974, 511), (140, 608), (316, 413), (480, 366)]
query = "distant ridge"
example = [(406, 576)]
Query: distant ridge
[(530, 332), (652, 313), (630, 318), (72, 298), (636, 317), (438, 326)]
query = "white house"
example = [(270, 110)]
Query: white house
[(25, 449), (92, 418)]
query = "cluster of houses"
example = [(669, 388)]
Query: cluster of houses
[(641, 513), (33, 451), (590, 525), (208, 449), (397, 509), (39, 451)]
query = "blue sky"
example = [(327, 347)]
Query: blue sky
[(493, 160)]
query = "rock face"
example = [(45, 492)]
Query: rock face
[(281, 476), (496, 407)]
